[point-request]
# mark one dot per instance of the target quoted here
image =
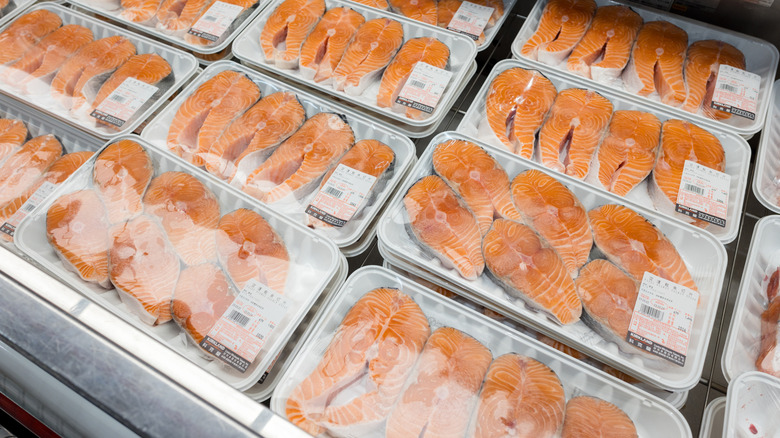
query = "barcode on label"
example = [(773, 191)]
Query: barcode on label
[(29, 207), (210, 18), (239, 318), (465, 18), (652, 312), (729, 88), (695, 189), (417, 84), (118, 98), (334, 192)]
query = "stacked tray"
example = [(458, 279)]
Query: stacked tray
[(751, 406), (766, 178), (712, 422), (12, 9)]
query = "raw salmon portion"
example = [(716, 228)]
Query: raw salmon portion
[(561, 27), (177, 16), (573, 130), (248, 247), (440, 395), (201, 297), (287, 28), (426, 49), (77, 229), (373, 47), (244, 4), (593, 417), (13, 133), (657, 63), (603, 52), (25, 32), (140, 11), (363, 370), (25, 166), (254, 135), (633, 243), (207, 112), (702, 62), (420, 10), (521, 397), (297, 165), (121, 174), (477, 178), (516, 105), (326, 44), (144, 268), (556, 214), (445, 226), (530, 269), (149, 68), (627, 154), (379, 4), (188, 212), (768, 360)]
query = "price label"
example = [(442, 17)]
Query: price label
[(43, 192), (341, 196), (471, 19), (424, 87), (704, 193), (736, 92), (217, 19), (124, 101)]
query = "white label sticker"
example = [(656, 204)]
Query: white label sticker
[(341, 196), (704, 193), (424, 87), (124, 101), (243, 329), (736, 92), (213, 24), (9, 227), (663, 318), (470, 19)]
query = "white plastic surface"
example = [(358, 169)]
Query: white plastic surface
[(752, 404), (766, 180), (712, 421)]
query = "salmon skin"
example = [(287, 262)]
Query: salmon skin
[(768, 359), (363, 370), (149, 68), (445, 226), (442, 390), (517, 102), (702, 62), (13, 133), (121, 175), (371, 50), (245, 6), (530, 269), (326, 44), (424, 11), (201, 297), (175, 17), (572, 132), (562, 26), (22, 169), (140, 11), (591, 417), (521, 397), (286, 30), (603, 52), (656, 63), (21, 35)]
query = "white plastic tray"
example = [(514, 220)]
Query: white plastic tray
[(474, 124), (691, 243), (14, 8), (761, 58), (752, 404), (313, 263), (766, 180), (652, 416), (712, 421)]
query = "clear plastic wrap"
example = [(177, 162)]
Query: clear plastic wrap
[(766, 181), (751, 406)]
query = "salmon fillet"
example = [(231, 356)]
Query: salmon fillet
[(702, 62), (22, 169), (562, 26), (149, 68), (13, 133), (768, 359), (423, 11), (177, 16), (201, 297), (326, 44), (21, 35), (286, 30), (121, 174), (140, 11), (590, 416), (656, 63), (244, 4)]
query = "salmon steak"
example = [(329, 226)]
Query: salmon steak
[(249, 248), (326, 44), (287, 28), (521, 397), (630, 241), (628, 152), (702, 62), (371, 50), (425, 49), (517, 102), (177, 16), (121, 174), (445, 226), (603, 52), (22, 169), (562, 26), (140, 11), (297, 165), (573, 130), (593, 417), (78, 230), (768, 359), (201, 297), (245, 6), (13, 134), (25, 32), (424, 11), (203, 116), (656, 63), (378, 4), (149, 68), (530, 269), (362, 372), (442, 390), (551, 209), (478, 179)]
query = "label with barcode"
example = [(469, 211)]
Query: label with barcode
[(217, 19), (124, 101), (40, 195), (246, 325), (470, 19), (424, 88), (341, 196), (736, 92), (703, 193), (663, 318)]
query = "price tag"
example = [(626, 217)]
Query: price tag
[(341, 196), (243, 329), (736, 92), (470, 19), (424, 87), (124, 101), (217, 19), (9, 227), (703, 193), (663, 318)]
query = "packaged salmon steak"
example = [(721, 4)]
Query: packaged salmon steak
[(751, 406), (766, 181), (191, 262)]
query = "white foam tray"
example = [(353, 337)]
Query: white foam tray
[(712, 421), (752, 403), (766, 180)]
